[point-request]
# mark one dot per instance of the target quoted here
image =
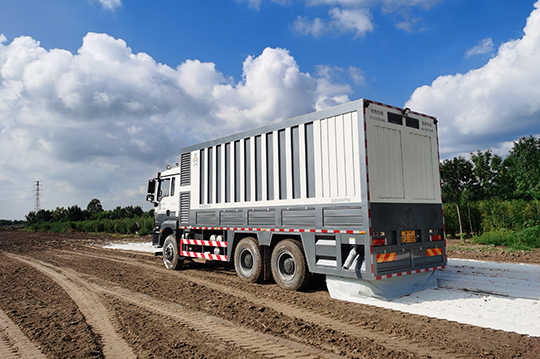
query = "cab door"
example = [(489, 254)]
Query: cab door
[(167, 197)]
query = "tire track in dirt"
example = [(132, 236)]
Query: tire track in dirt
[(223, 330), (293, 311), (90, 306), (13, 343)]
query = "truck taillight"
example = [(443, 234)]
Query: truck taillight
[(378, 239), (435, 237), (378, 242)]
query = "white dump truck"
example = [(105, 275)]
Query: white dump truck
[(351, 192)]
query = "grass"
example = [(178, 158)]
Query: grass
[(518, 240), (125, 226)]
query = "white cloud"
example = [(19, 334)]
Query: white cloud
[(394, 5), (110, 4), (103, 120), (335, 92), (256, 4), (408, 23), (485, 46), (341, 21), (390, 5), (491, 105), (357, 76), (354, 16), (316, 27), (352, 20)]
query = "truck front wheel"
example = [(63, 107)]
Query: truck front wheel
[(289, 266), (248, 260), (171, 259)]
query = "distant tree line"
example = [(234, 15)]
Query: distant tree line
[(10, 223), (122, 220), (488, 193)]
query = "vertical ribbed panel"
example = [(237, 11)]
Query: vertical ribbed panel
[(185, 169), (184, 207), (386, 163), (339, 151), (318, 159), (420, 167)]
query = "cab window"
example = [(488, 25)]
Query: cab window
[(164, 188)]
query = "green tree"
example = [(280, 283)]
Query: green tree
[(60, 214), (458, 183), (523, 164), (493, 180), (38, 217), (94, 207), (75, 213), (30, 217), (118, 213)]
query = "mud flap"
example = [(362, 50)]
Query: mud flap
[(348, 289)]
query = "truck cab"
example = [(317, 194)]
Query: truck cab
[(163, 193)]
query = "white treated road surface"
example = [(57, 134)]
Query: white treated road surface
[(494, 295), (502, 296)]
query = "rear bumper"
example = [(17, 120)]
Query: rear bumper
[(390, 262)]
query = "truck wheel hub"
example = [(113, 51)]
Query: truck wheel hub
[(169, 253), (248, 260), (288, 266)]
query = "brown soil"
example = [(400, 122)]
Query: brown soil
[(466, 250), (74, 299)]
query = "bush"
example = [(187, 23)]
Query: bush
[(59, 227), (515, 214), (525, 239), (528, 238)]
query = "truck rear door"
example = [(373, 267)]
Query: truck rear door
[(407, 227)]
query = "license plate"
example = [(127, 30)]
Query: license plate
[(408, 236)]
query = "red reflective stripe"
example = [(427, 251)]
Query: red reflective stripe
[(292, 230), (407, 272), (216, 257)]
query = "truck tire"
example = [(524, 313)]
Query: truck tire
[(248, 260), (171, 259), (289, 266)]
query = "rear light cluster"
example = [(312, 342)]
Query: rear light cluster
[(434, 235), (381, 239), (378, 239)]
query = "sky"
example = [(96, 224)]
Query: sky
[(97, 96)]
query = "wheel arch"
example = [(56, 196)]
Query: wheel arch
[(278, 237), (304, 239), (238, 236), (168, 228)]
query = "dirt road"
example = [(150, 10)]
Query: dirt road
[(73, 299)]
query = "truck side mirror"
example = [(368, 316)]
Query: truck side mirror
[(151, 187)]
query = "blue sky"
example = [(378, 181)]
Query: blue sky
[(96, 96)]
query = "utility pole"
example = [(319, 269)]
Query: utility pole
[(37, 195)]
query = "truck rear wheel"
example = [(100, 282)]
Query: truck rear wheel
[(289, 266), (171, 259), (248, 260)]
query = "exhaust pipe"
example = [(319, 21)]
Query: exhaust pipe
[(353, 254)]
